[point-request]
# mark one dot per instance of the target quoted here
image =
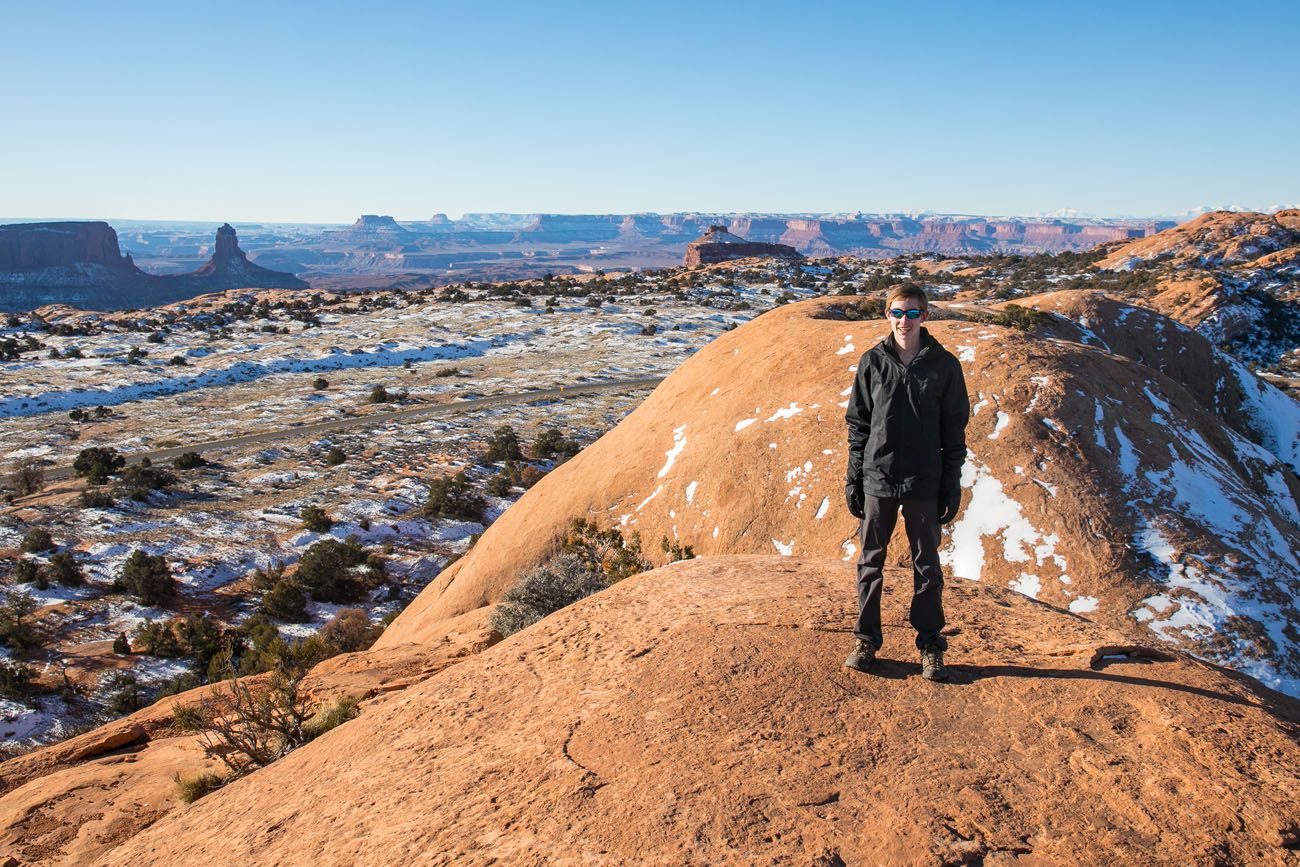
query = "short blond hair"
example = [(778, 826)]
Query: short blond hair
[(907, 291)]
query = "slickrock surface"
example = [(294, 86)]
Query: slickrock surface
[(699, 714), (1093, 482), (72, 802)]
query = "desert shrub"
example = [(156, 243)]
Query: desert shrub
[(122, 694), (453, 497), (36, 540), (315, 519), (676, 550), (178, 361), (190, 789), (320, 383), (552, 443), (188, 461), (855, 311), (1023, 318), (605, 550), (503, 446), (95, 498), (121, 646), (139, 480), (335, 456), (65, 569), (202, 639), (286, 602), (379, 394), (159, 638), (15, 679), (16, 628), (147, 577), (649, 330), (350, 630), (263, 580), (327, 571), (97, 463), (447, 371), (250, 725), (561, 581), (27, 477), (27, 571)]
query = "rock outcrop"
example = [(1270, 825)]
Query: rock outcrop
[(1232, 276), (700, 714), (1094, 482), (718, 245), (33, 246), (80, 264)]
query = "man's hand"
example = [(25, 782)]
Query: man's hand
[(853, 497), (949, 502)]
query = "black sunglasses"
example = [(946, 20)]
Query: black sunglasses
[(910, 314)]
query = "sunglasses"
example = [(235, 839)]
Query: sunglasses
[(910, 314)]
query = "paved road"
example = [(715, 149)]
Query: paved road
[(381, 418)]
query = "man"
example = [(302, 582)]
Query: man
[(907, 442)]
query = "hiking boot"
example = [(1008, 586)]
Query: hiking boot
[(864, 653), (932, 667)]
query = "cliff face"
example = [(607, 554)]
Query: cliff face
[(32, 246), (81, 264)]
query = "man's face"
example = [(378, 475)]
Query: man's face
[(906, 330)]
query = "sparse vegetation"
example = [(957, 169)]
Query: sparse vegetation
[(65, 569), (453, 497), (552, 443), (36, 540), (335, 456), (315, 519), (676, 550), (27, 477), (97, 463), (140, 480), (503, 446), (16, 628), (561, 581), (248, 725), (188, 461), (329, 571), (1023, 318), (147, 577), (192, 788)]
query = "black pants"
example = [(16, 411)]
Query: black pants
[(921, 520)]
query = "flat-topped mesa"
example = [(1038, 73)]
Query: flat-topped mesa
[(31, 246), (719, 245), (80, 264)]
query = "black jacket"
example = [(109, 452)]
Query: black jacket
[(907, 425)]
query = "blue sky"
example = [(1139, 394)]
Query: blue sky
[(323, 111)]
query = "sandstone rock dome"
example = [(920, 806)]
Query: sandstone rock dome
[(1093, 482), (698, 714)]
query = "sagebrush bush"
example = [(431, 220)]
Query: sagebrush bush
[(560, 581)]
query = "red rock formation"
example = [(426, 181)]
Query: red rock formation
[(31, 246), (699, 714), (719, 245)]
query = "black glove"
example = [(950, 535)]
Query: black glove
[(949, 502), (853, 497)]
